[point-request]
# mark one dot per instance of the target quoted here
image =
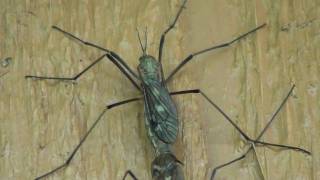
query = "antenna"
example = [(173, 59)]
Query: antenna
[(143, 48), (146, 40)]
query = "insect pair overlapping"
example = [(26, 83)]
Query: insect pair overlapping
[(161, 116)]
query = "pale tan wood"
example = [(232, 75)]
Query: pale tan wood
[(42, 121)]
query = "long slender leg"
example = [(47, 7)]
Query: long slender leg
[(68, 78), (192, 91), (191, 56), (129, 172), (244, 155), (4, 73), (75, 150), (262, 143), (163, 36), (246, 136), (110, 106), (124, 72), (276, 113), (257, 140), (249, 140), (66, 163), (198, 91), (253, 147), (214, 171), (115, 55), (86, 69)]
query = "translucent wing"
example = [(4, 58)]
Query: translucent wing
[(162, 112)]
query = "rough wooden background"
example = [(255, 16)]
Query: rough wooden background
[(42, 121)]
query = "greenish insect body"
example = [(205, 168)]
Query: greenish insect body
[(161, 119)]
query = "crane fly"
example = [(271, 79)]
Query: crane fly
[(161, 117)]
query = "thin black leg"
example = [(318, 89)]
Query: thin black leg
[(113, 105), (268, 125), (115, 55), (67, 162), (190, 57), (248, 139), (214, 171), (4, 74), (75, 150), (276, 113), (163, 36), (198, 91), (225, 115), (192, 91), (257, 140), (128, 172), (263, 143), (67, 78), (112, 59)]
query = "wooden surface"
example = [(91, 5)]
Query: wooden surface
[(42, 121)]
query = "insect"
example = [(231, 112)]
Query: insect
[(161, 117)]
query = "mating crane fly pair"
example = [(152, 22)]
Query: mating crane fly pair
[(161, 118)]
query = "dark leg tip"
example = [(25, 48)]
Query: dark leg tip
[(30, 77), (262, 25), (213, 174)]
